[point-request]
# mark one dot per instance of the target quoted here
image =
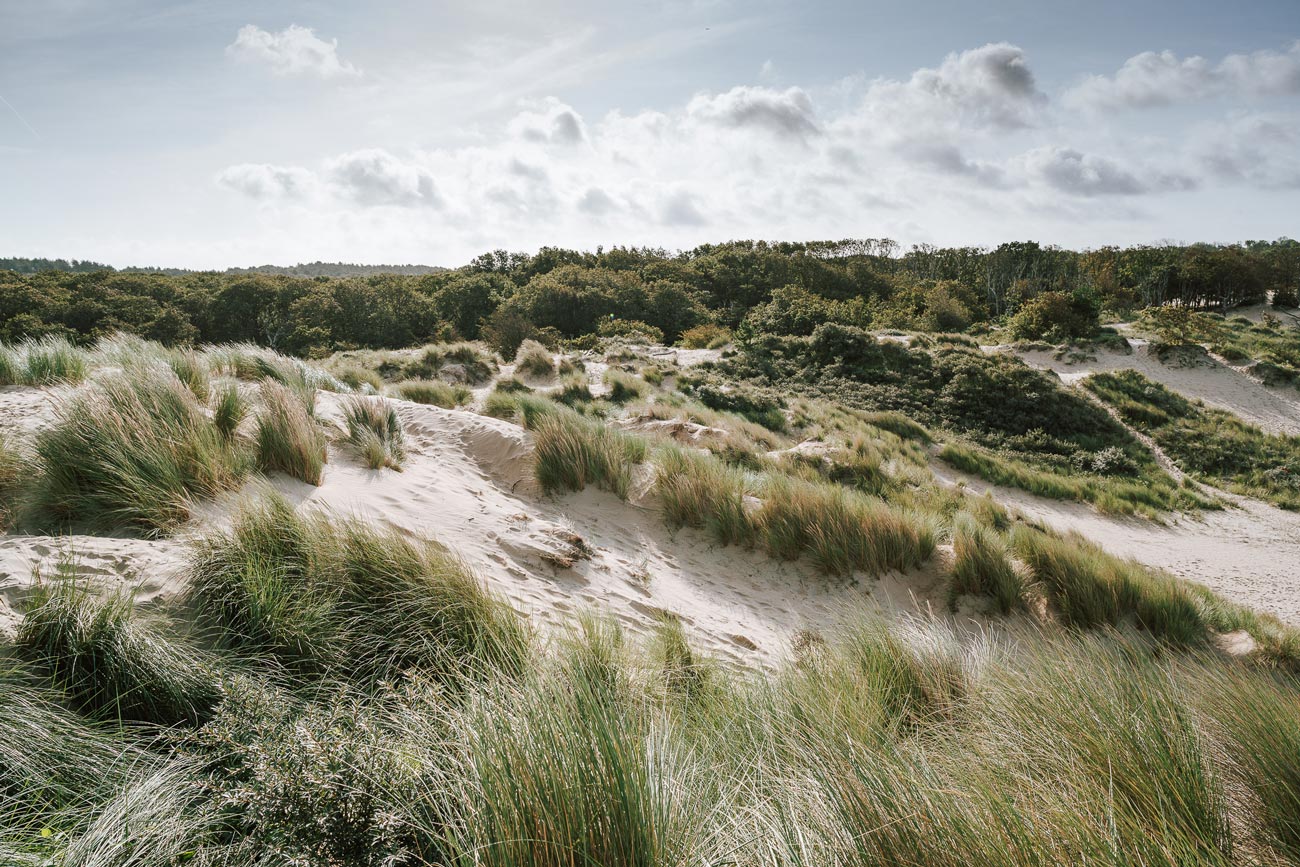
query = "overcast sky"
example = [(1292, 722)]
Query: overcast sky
[(229, 132)]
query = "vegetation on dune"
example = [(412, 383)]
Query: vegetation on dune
[(535, 360), (1211, 444), (982, 566), (375, 431), (110, 664), (288, 438), (571, 452), (434, 392), (316, 592), (132, 450)]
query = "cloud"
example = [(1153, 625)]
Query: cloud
[(549, 122), (987, 86), (267, 182), (1068, 171), (1259, 150), (293, 51), (787, 113), (375, 177), (596, 202), (679, 209), (1163, 78)]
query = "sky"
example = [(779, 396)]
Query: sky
[(217, 133)]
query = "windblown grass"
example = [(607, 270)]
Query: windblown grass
[(110, 664), (52, 360), (434, 392), (700, 491), (534, 360), (131, 451), (317, 592), (288, 438), (572, 452), (624, 386), (229, 409), (840, 530), (982, 566), (375, 431)]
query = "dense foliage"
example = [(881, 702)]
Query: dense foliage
[(786, 288)]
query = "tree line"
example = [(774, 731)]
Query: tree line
[(557, 293)]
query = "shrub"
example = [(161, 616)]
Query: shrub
[(981, 566), (435, 393), (112, 665), (131, 451), (631, 330), (534, 359), (758, 407), (707, 336), (1057, 316), (375, 431), (288, 438), (572, 452)]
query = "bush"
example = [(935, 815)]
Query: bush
[(631, 330), (1057, 317), (111, 665), (375, 431), (707, 336), (288, 438), (434, 392), (131, 451), (572, 452)]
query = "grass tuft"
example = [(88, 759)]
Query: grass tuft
[(288, 438), (376, 431)]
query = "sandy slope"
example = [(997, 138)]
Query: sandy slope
[(1276, 410)]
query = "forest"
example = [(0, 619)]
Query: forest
[(556, 294)]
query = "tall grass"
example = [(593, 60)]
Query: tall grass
[(982, 566), (624, 386), (288, 439), (839, 530), (534, 360), (700, 491), (375, 431), (434, 392), (229, 409), (110, 664), (52, 360), (12, 479), (572, 452), (317, 592), (131, 451)]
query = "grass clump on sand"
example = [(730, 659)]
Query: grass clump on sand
[(434, 392), (288, 438), (229, 409), (109, 663), (840, 530), (572, 452), (375, 431), (1212, 444), (12, 466), (982, 566), (50, 361), (700, 491), (317, 592), (624, 386), (131, 451), (534, 360)]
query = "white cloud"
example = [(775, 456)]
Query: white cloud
[(376, 177), (549, 122), (1068, 171), (1259, 150), (787, 113), (1163, 78), (267, 182), (293, 51)]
